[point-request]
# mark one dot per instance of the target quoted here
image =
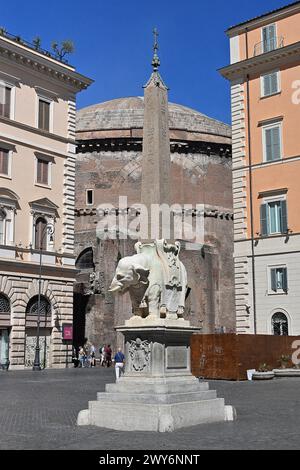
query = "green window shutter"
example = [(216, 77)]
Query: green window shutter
[(267, 85), (273, 280), (269, 38), (272, 142), (284, 222), (284, 280), (273, 78), (263, 220), (270, 83)]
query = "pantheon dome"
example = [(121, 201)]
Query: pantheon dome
[(123, 117), (109, 139)]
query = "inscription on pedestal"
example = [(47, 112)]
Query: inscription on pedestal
[(177, 357)]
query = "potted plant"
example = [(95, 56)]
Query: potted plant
[(264, 372), (284, 361), (285, 368)]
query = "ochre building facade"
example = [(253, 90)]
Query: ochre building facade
[(265, 96)]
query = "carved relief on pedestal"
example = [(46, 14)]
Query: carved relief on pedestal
[(139, 352)]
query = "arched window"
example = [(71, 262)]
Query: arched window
[(40, 234), (85, 259), (280, 324), (4, 304), (32, 306)]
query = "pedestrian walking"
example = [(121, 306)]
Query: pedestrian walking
[(119, 363), (102, 355), (108, 353), (92, 356), (75, 359), (82, 356)]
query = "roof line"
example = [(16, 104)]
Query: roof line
[(263, 15)]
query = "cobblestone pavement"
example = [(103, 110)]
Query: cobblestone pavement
[(38, 410)]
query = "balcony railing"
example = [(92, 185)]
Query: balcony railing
[(268, 45)]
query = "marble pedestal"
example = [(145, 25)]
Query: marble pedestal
[(158, 391)]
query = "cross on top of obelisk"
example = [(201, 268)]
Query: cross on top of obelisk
[(155, 76)]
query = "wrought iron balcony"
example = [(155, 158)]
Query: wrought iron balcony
[(268, 45)]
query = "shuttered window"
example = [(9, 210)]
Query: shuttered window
[(273, 218), (269, 38), (272, 143), (42, 174), (41, 234), (279, 279), (4, 161), (44, 115), (270, 84), (2, 226), (5, 101)]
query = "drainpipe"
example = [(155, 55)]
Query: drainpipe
[(251, 193)]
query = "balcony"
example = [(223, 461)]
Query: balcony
[(268, 45)]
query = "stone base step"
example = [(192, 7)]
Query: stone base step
[(156, 398), (157, 386), (152, 417)]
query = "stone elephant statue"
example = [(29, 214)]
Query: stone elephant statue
[(155, 279)]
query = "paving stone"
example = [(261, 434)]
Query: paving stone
[(38, 410)]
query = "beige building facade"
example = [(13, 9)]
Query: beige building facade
[(37, 174), (265, 99)]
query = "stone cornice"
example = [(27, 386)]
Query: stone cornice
[(208, 212), (26, 57), (262, 62), (137, 132), (135, 144), (35, 130)]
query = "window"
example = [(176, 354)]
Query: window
[(4, 304), (273, 217), (44, 115), (279, 279), (269, 84), (2, 226), (272, 146), (42, 171), (33, 304), (89, 197), (280, 324), (4, 161), (269, 38), (5, 101), (41, 234), (85, 259), (5, 227)]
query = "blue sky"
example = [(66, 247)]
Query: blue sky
[(113, 40)]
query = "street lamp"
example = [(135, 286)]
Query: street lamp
[(49, 230)]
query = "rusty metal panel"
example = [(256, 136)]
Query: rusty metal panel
[(229, 356)]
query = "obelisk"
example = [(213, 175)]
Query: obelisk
[(156, 163)]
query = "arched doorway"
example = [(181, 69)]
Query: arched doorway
[(4, 330), (280, 326), (82, 293), (31, 330)]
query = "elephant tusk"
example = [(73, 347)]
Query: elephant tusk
[(114, 288)]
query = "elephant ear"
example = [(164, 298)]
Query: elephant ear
[(143, 274)]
